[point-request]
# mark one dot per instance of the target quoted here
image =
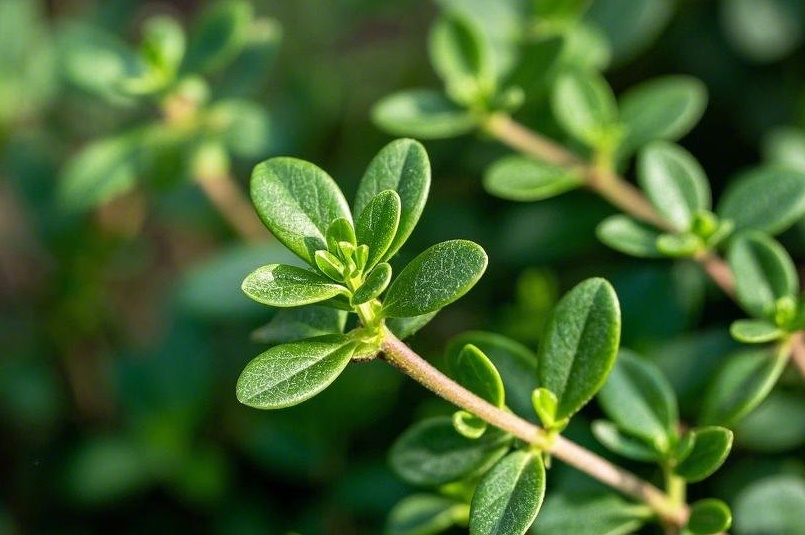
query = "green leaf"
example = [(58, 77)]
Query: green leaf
[(629, 236), (755, 331), (777, 425), (709, 516), (291, 373), (740, 385), (607, 433), (662, 108), (218, 35), (711, 447), (405, 327), (298, 202), (376, 281), (569, 513), (377, 224), (293, 324), (435, 278), (459, 57), (432, 452), (518, 178), (340, 230), (509, 496), (424, 514), (763, 271), (639, 399), (468, 424), (683, 245), (474, 371), (424, 114), (767, 198), (630, 26), (580, 344), (674, 182), (785, 147), (772, 505), (400, 166), (280, 285), (560, 9), (545, 404), (584, 105)]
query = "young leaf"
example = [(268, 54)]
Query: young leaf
[(518, 178), (432, 452), (607, 433), (377, 281), (424, 514), (709, 516), (764, 273), (545, 404), (580, 344), (583, 103), (292, 324), (424, 114), (280, 285), (163, 44), (674, 182), (769, 198), (468, 424), (710, 449), (291, 373), (509, 496), (474, 371), (218, 35), (459, 57), (740, 385), (629, 236), (400, 166), (298, 202), (340, 230), (377, 224), (639, 399), (662, 108), (435, 278), (755, 331)]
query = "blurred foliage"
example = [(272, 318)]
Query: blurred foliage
[(123, 327)]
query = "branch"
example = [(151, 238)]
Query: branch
[(410, 363)]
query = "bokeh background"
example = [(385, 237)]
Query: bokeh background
[(123, 328)]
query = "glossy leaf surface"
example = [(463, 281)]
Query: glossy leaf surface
[(474, 371), (377, 224), (281, 285), (755, 331), (377, 281), (709, 516), (710, 449)]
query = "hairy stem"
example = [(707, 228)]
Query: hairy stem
[(410, 363)]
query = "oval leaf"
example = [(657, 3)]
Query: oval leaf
[(474, 371), (459, 57), (424, 514), (769, 199), (710, 449), (772, 504), (424, 114), (584, 105), (764, 273), (298, 202), (432, 452), (400, 166), (517, 178), (640, 400), (509, 496), (377, 224), (218, 35), (626, 235), (755, 331), (289, 374), (709, 516), (662, 108), (674, 182), (570, 513), (607, 433), (580, 343), (280, 285), (437, 277), (377, 281)]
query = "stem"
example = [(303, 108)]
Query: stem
[(228, 199), (410, 363), (798, 351)]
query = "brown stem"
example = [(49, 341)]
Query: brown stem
[(410, 363), (227, 197), (798, 351)]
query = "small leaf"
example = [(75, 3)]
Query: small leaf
[(298, 202), (377, 224), (764, 273), (674, 182), (626, 235), (340, 230), (755, 331), (330, 265), (584, 105), (400, 166), (459, 57), (293, 324), (509, 496), (639, 399), (662, 108), (218, 35), (571, 514), (580, 344), (709, 516), (607, 433), (424, 114), (683, 245), (424, 514), (474, 371), (710, 449), (280, 285), (405, 327), (291, 373), (377, 281), (740, 385), (435, 278), (545, 404), (468, 424), (518, 178), (768, 198), (431, 452), (163, 44)]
